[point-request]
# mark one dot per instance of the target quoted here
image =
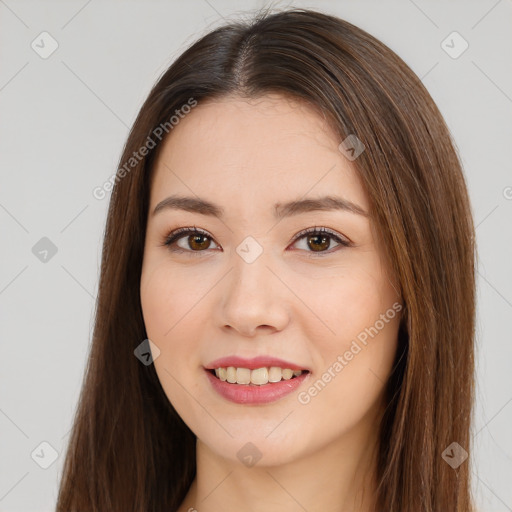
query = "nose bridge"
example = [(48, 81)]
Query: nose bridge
[(253, 295), (251, 274)]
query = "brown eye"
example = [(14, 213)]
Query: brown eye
[(196, 241), (318, 240)]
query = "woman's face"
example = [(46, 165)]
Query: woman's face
[(249, 296)]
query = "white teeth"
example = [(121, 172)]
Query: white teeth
[(222, 373), (257, 377), (274, 374), (231, 374), (287, 374), (243, 376)]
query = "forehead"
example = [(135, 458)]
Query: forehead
[(265, 149)]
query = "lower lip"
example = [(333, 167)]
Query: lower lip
[(247, 394)]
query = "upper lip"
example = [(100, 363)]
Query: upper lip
[(253, 363)]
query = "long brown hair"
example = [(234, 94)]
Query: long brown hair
[(129, 449)]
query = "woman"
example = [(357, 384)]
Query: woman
[(285, 317)]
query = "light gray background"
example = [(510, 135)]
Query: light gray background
[(63, 122)]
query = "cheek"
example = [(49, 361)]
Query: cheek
[(350, 301), (348, 395), (155, 301), (169, 317), (357, 353), (168, 300), (355, 362), (169, 320)]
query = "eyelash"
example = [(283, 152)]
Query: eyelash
[(180, 232)]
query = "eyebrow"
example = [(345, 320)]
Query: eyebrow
[(204, 207)]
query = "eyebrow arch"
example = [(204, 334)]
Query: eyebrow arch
[(204, 207)]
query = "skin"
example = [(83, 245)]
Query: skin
[(291, 302)]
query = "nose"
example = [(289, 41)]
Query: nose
[(254, 300)]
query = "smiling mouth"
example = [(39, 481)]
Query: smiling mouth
[(256, 377)]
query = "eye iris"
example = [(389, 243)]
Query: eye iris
[(201, 245), (318, 246)]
